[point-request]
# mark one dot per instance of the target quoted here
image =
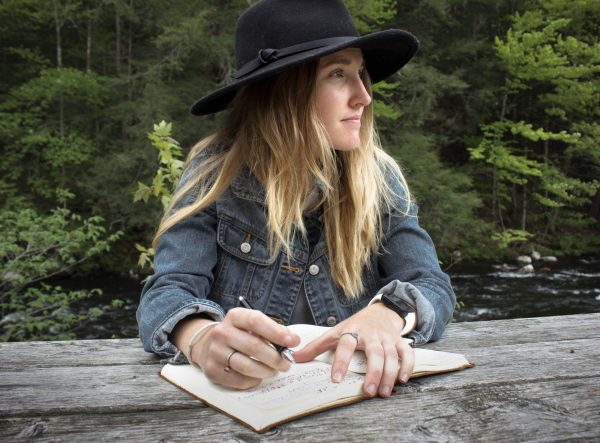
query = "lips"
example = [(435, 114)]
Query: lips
[(352, 119)]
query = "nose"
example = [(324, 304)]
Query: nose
[(360, 95)]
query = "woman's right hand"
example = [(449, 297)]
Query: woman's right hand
[(243, 338)]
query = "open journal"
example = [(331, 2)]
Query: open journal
[(303, 390)]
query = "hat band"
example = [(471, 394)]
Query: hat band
[(268, 55)]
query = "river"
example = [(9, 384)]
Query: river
[(486, 291)]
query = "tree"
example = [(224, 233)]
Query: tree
[(543, 160), (33, 248)]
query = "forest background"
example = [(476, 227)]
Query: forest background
[(495, 123)]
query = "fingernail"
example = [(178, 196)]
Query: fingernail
[(288, 340), (337, 377), (371, 389), (404, 377), (386, 390)]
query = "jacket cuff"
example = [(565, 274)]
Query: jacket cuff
[(161, 344), (425, 313)]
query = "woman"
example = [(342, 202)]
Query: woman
[(293, 205)]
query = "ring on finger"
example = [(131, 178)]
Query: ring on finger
[(353, 334), (227, 368)]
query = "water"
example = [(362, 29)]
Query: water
[(497, 291), (488, 291)]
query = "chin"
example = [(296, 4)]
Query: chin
[(347, 147)]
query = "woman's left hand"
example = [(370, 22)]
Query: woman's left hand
[(376, 330)]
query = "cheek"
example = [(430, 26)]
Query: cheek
[(326, 105)]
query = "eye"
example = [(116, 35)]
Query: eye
[(338, 73)]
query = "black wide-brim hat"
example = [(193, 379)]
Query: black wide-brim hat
[(274, 35)]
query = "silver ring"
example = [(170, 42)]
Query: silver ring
[(353, 334), (227, 368)]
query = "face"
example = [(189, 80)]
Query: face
[(341, 97)]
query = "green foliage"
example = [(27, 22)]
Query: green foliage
[(40, 149), (72, 86), (510, 236), (170, 166), (371, 15), (445, 197), (33, 248), (515, 81), (533, 160), (145, 257)]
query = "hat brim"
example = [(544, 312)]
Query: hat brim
[(384, 52)]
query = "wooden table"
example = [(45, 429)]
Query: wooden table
[(535, 379)]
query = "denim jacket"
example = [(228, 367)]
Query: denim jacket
[(205, 262)]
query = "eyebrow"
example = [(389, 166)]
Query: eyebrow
[(341, 61)]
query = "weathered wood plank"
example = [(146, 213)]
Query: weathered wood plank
[(535, 379), (465, 335), (519, 331), (552, 410), (68, 390), (16, 356)]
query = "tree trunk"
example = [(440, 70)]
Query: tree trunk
[(118, 42), (129, 57), (595, 209), (57, 27), (524, 212), (546, 155), (59, 62), (88, 47), (496, 199), (515, 205)]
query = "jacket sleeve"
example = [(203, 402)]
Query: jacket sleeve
[(183, 274), (409, 269)]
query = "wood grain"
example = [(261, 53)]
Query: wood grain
[(507, 412), (15, 356), (534, 380)]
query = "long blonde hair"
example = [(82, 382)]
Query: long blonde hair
[(273, 131)]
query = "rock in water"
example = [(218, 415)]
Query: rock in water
[(524, 259), (549, 258), (527, 269), (535, 255)]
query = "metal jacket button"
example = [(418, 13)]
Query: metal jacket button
[(331, 320), (245, 247), (313, 270)]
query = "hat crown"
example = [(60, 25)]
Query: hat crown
[(276, 24)]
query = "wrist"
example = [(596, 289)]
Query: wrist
[(185, 330), (199, 335), (403, 309)]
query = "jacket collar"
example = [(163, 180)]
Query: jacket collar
[(247, 186)]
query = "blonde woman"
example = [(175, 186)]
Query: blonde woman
[(294, 206)]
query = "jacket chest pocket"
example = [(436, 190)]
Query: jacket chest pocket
[(353, 305), (244, 265)]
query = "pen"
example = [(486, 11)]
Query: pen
[(286, 353)]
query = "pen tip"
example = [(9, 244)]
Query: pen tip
[(289, 356)]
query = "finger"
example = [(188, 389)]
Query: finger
[(344, 351), (391, 367), (249, 367), (214, 370), (407, 361), (316, 347), (375, 361), (263, 326), (248, 344)]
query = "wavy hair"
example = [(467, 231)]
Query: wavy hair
[(273, 131)]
